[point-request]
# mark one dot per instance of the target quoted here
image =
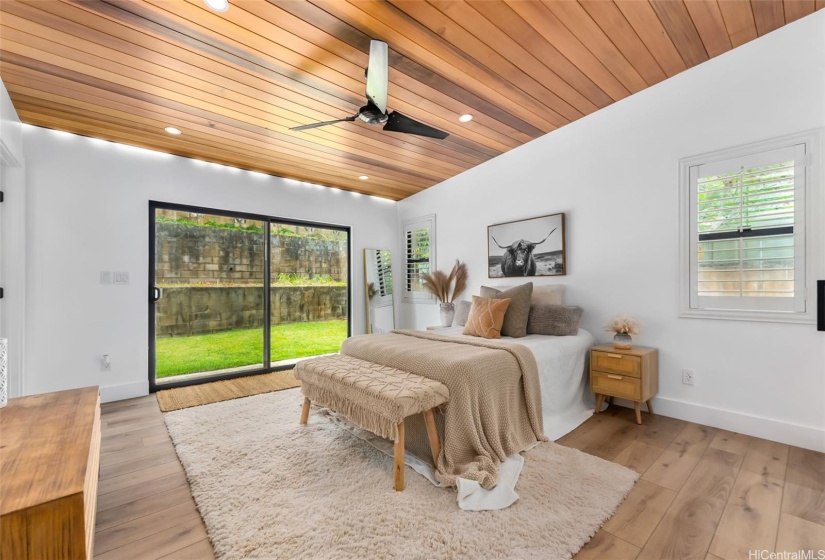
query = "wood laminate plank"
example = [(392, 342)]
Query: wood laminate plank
[(135, 465), (710, 25), (139, 508), (604, 546), (675, 465), (679, 26), (660, 431), (113, 458), (138, 528), (797, 534), (769, 15), (731, 442), (638, 456), (615, 443), (738, 17), (616, 27), (796, 9), (688, 526), (145, 476), (649, 28), (751, 518), (640, 513), (805, 485), (201, 550), (160, 544), (132, 493)]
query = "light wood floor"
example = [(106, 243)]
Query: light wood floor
[(704, 493)]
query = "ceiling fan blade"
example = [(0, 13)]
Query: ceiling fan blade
[(399, 123), (316, 125), (378, 74)]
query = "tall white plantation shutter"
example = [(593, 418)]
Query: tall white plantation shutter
[(418, 258), (747, 232)]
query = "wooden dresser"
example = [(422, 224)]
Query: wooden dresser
[(631, 374), (49, 458)]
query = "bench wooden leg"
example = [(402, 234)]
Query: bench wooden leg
[(399, 458), (432, 433), (599, 399), (305, 411)]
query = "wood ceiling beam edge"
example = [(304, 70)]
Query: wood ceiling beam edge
[(354, 37), (739, 22), (797, 9), (769, 15), (477, 80)]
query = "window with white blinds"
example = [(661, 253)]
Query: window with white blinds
[(419, 256), (745, 250)]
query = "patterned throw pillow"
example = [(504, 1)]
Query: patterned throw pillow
[(462, 312), (556, 320), (515, 321), (486, 317)]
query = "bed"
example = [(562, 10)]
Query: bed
[(506, 395)]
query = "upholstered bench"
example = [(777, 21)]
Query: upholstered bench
[(373, 397)]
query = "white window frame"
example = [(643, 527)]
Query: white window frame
[(808, 221), (424, 222)]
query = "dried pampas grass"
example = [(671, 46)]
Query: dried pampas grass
[(447, 287), (622, 325)]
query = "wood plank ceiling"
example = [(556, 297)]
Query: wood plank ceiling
[(234, 82)]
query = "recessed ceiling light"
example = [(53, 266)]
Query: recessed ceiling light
[(172, 130), (218, 5), (364, 177), (465, 118)]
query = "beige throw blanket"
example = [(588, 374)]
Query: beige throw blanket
[(495, 398)]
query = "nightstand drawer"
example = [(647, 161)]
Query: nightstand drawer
[(622, 386), (617, 363)]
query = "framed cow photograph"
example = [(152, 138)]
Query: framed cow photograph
[(531, 247)]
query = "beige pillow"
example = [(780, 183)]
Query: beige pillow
[(556, 320), (486, 317), (548, 295), (515, 321), (462, 312)]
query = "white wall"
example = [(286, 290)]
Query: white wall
[(88, 212), (615, 175), (12, 240)]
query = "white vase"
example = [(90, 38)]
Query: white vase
[(4, 372), (447, 314)]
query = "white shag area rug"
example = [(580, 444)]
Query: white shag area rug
[(268, 487)]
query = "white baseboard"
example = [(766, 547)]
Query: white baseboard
[(109, 393), (809, 437)]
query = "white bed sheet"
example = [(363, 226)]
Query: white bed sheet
[(565, 396)]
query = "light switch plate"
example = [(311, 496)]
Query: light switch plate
[(121, 277), (105, 277)]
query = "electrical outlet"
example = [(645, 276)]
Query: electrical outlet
[(688, 376), (105, 362), (121, 277)]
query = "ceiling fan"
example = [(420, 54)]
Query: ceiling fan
[(375, 111)]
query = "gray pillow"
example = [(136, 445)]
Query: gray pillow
[(515, 321), (462, 312), (556, 320)]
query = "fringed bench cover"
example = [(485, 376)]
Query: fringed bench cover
[(371, 396)]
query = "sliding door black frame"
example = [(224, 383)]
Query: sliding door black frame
[(268, 220)]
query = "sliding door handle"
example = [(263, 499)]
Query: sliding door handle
[(157, 293)]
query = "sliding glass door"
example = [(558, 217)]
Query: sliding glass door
[(237, 294)]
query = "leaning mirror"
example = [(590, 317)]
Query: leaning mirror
[(378, 280)]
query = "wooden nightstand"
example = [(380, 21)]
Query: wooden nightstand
[(628, 374)]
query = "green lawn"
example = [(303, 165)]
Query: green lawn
[(209, 352)]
